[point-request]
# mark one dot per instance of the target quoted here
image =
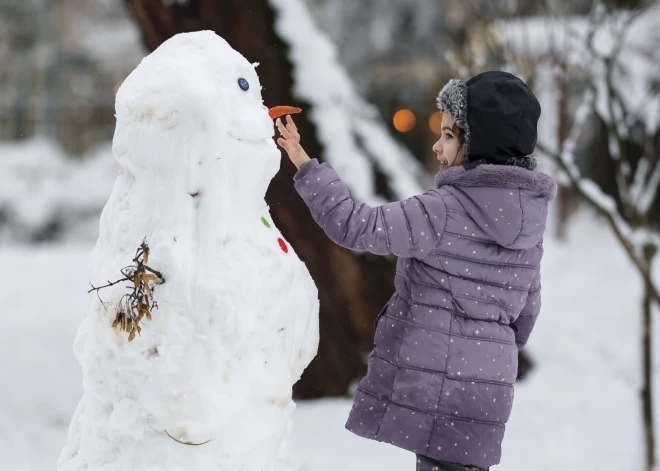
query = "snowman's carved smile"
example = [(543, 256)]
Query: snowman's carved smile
[(260, 139)]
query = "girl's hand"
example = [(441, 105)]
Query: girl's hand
[(291, 142)]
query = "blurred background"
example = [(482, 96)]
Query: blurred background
[(367, 74)]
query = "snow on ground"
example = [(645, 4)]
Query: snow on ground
[(578, 410)]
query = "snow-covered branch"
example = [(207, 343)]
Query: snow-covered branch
[(637, 189), (633, 240), (581, 115), (606, 47), (644, 194)]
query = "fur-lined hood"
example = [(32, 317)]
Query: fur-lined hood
[(504, 176), (508, 203)]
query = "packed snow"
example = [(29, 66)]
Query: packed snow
[(216, 363)]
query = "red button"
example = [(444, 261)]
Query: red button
[(283, 245)]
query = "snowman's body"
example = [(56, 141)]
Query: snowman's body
[(237, 317)]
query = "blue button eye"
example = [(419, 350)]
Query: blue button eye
[(243, 84)]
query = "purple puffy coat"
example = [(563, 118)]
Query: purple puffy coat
[(468, 292)]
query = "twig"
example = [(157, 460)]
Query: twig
[(110, 283), (139, 303), (186, 443), (155, 272)]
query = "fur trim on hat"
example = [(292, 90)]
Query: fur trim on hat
[(452, 99)]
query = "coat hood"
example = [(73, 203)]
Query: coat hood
[(509, 203)]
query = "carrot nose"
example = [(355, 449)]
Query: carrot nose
[(279, 111)]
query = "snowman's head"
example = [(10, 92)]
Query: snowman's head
[(196, 98), (198, 76)]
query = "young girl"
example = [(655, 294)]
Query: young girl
[(468, 286)]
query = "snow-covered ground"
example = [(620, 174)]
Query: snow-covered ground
[(578, 410)]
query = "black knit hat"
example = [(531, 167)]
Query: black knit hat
[(498, 114)]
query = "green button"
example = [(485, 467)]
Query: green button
[(265, 222)]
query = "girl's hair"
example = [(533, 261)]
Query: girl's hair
[(460, 134)]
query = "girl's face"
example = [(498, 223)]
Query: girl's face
[(448, 149)]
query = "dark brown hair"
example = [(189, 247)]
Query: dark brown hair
[(460, 134)]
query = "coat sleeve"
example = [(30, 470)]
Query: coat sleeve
[(524, 324), (409, 228)]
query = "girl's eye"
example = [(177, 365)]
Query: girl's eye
[(243, 84), (449, 136)]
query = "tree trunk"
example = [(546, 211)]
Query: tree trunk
[(563, 131), (563, 193), (352, 289), (647, 348)]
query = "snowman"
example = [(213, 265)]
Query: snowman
[(207, 383)]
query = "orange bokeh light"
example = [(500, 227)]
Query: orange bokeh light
[(404, 120), (435, 123)]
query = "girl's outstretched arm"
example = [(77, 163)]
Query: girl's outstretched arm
[(408, 228)]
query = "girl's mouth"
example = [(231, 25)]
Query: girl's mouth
[(443, 164)]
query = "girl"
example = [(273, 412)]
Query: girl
[(468, 286)]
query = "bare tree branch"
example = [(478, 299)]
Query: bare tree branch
[(606, 206)]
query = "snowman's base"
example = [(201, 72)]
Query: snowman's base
[(122, 437), (155, 453)]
